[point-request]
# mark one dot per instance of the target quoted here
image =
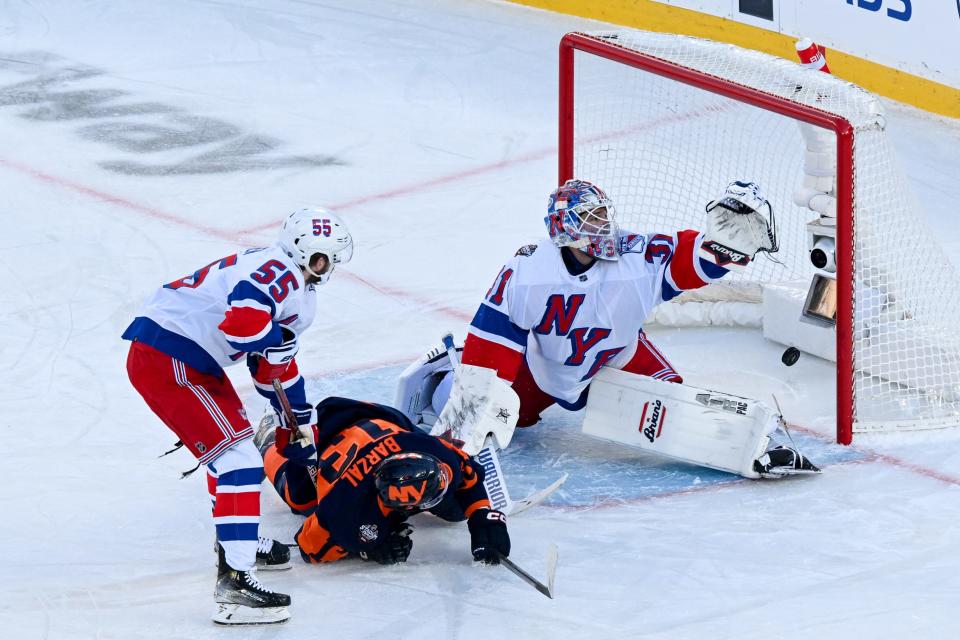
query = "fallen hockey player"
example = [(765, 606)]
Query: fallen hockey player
[(563, 324), (373, 472)]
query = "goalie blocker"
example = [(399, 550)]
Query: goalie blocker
[(471, 406), (699, 426), (474, 404)]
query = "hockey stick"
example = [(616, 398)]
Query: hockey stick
[(291, 419), (493, 479), (545, 589), (288, 414)]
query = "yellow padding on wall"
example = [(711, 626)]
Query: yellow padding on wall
[(653, 16)]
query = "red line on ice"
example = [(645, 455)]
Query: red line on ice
[(873, 456), (426, 184), (235, 236), (915, 468), (103, 196), (231, 236), (503, 164)]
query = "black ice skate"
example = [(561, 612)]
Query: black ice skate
[(783, 461), (242, 599), (272, 555)]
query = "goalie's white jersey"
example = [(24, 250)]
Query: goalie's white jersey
[(569, 326)]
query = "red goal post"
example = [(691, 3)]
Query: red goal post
[(628, 49)]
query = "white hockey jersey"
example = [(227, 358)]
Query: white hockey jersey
[(236, 305), (569, 326)]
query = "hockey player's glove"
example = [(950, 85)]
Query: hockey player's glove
[(301, 451), (273, 361), (394, 550), (488, 535), (295, 442)]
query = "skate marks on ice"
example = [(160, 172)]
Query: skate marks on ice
[(113, 607), (45, 88), (602, 474)]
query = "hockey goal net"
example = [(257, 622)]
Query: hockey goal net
[(665, 122)]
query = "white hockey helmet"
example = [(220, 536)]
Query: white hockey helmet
[(308, 232)]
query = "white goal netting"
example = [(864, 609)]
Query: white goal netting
[(662, 148)]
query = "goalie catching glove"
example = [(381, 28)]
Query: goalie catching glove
[(739, 228), (488, 536)]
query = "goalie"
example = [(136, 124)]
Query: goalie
[(565, 316)]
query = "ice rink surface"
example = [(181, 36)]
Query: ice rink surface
[(142, 140)]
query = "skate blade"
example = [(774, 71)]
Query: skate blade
[(236, 614), (274, 567), (776, 474)]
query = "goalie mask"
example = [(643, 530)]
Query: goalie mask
[(581, 216), (308, 232), (412, 481)]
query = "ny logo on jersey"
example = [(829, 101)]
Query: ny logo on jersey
[(558, 319)]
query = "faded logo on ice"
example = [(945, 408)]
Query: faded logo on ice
[(53, 89)]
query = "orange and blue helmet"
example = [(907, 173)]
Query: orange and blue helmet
[(580, 215), (412, 480)]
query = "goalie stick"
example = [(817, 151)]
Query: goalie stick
[(493, 479), (545, 589)]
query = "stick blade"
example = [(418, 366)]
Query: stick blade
[(518, 506), (545, 589), (553, 556)]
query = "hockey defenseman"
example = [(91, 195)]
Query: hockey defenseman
[(566, 317), (250, 306), (374, 471)]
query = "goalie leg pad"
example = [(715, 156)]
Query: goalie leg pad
[(700, 426)]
